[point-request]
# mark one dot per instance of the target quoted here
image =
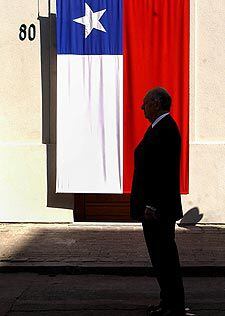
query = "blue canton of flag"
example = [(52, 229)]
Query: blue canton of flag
[(89, 27)]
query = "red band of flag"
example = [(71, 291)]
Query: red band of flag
[(156, 53)]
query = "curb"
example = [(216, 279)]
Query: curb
[(200, 271)]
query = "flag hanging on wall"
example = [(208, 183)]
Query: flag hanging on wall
[(109, 54)]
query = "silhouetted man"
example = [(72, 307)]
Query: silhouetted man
[(155, 199)]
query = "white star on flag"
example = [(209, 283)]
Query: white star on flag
[(91, 20)]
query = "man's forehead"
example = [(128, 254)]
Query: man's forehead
[(148, 97)]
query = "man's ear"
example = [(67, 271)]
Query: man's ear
[(157, 105)]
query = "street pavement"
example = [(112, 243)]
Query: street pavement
[(103, 269), (101, 295)]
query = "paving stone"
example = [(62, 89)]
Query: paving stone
[(84, 313), (106, 243)]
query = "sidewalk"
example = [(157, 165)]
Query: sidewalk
[(96, 245)]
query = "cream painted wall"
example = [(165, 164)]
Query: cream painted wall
[(207, 112), (27, 194)]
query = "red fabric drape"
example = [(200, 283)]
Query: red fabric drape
[(156, 53)]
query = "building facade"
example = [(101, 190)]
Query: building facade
[(28, 121)]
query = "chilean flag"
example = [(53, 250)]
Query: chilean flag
[(109, 54)]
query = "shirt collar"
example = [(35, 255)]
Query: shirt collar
[(159, 118)]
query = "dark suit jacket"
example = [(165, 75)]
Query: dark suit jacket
[(156, 178)]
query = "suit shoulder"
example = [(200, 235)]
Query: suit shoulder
[(169, 124), (168, 130)]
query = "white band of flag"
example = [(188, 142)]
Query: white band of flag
[(89, 124)]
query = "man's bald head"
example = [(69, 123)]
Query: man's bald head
[(156, 102), (161, 96)]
